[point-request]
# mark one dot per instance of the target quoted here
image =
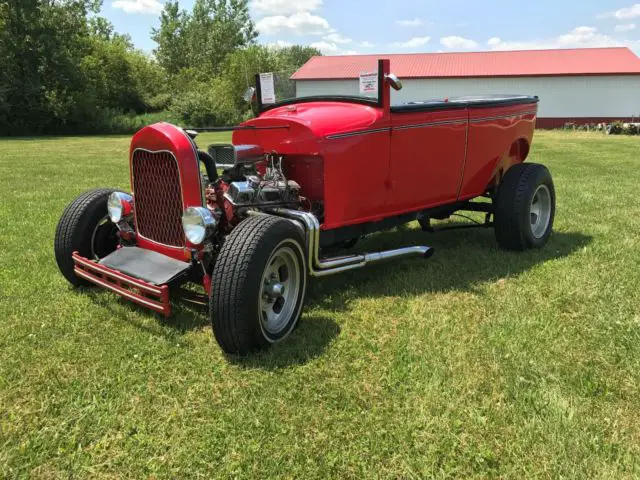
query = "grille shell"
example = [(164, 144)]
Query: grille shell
[(157, 192)]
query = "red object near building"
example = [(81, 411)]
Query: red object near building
[(305, 177)]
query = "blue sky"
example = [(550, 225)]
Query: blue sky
[(404, 26)]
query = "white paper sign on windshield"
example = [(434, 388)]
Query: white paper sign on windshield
[(267, 90), (369, 83)]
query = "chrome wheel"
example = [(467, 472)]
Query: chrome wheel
[(540, 211), (281, 283)]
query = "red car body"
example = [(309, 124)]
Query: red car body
[(361, 166), (394, 160)]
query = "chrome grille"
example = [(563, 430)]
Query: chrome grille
[(157, 197)]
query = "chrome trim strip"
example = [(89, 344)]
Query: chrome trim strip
[(135, 217), (424, 125), (359, 132), (499, 117), (431, 124)]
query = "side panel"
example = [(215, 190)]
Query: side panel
[(356, 169), (493, 132), (167, 137), (427, 158)]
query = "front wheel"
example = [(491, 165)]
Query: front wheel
[(525, 207), (259, 284), (85, 227)]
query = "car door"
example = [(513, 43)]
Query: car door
[(428, 148)]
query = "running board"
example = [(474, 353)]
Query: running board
[(328, 266)]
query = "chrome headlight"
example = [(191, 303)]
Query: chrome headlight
[(119, 206), (198, 224)]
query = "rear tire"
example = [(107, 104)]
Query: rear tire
[(84, 227), (525, 207), (259, 284)]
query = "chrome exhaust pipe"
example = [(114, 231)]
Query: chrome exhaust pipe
[(323, 267)]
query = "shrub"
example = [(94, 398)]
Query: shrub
[(159, 102), (207, 104)]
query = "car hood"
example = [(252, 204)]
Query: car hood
[(322, 118)]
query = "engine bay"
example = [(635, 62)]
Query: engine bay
[(251, 182)]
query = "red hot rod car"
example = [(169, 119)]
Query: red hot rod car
[(306, 174)]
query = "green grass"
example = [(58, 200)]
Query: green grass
[(477, 363)]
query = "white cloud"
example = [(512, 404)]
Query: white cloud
[(284, 7), (337, 38), (138, 6), (328, 48), (624, 13), (415, 22), (413, 43), (458, 43), (631, 12), (366, 44), (585, 37), (627, 27), (493, 41), (302, 23), (579, 37)]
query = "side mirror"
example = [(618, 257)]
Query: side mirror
[(394, 81), (248, 94)]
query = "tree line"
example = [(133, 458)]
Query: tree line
[(66, 70)]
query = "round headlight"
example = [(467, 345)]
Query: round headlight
[(119, 206), (198, 223)]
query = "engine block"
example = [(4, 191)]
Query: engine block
[(254, 192)]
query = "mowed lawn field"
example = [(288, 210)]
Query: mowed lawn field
[(477, 363)]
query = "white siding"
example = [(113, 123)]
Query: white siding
[(588, 96)]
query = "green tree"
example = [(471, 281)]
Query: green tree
[(171, 38), (43, 42), (203, 38), (241, 67), (65, 69), (295, 56)]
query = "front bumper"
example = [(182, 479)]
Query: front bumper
[(138, 290)]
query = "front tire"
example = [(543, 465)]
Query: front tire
[(525, 207), (84, 227), (259, 284)]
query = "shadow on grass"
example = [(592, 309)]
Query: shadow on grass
[(309, 341), (462, 260)]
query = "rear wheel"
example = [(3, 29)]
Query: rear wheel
[(85, 227), (525, 207), (259, 284)]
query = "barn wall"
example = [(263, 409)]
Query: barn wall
[(560, 97)]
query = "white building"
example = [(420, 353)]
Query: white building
[(577, 85)]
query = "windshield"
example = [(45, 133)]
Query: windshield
[(282, 88)]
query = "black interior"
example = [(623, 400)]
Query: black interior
[(476, 101)]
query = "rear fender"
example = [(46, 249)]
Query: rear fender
[(517, 153)]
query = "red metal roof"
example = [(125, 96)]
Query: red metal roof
[(584, 61)]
